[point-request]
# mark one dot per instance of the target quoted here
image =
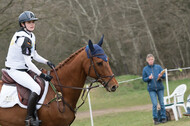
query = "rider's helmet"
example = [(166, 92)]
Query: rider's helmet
[(26, 16)]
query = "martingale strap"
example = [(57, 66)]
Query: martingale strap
[(58, 97)]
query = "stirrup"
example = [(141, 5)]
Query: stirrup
[(32, 122)]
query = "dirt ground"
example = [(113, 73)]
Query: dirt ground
[(83, 115)]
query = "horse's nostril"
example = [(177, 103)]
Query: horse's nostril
[(114, 88)]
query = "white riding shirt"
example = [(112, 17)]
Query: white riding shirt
[(21, 52)]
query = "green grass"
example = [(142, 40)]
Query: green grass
[(128, 94), (136, 118)]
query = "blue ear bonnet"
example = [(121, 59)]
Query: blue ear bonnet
[(97, 50)]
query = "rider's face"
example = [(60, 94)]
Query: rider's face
[(30, 25)]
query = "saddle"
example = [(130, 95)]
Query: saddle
[(23, 93)]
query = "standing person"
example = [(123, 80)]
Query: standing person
[(21, 51), (155, 87), (187, 107)]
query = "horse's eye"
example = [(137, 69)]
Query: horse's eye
[(100, 63)]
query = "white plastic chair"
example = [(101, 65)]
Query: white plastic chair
[(178, 101)]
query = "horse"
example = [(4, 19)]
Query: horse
[(87, 61)]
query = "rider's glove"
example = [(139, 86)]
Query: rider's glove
[(46, 77), (50, 64)]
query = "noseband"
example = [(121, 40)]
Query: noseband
[(99, 77)]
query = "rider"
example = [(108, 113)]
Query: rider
[(21, 51)]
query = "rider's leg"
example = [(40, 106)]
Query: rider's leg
[(32, 101), (27, 81)]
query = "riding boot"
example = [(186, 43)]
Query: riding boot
[(32, 101)]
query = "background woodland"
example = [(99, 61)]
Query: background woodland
[(131, 28)]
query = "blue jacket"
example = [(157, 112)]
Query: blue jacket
[(153, 84)]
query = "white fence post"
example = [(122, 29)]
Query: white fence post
[(90, 108), (167, 86)]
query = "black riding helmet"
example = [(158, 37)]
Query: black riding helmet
[(27, 16)]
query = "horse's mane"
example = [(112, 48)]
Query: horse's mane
[(69, 58)]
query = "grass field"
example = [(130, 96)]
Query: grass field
[(128, 94), (136, 118)]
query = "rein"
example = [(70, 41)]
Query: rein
[(59, 96)]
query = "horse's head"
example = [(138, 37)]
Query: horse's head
[(98, 66)]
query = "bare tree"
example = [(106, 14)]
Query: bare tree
[(131, 29), (152, 43)]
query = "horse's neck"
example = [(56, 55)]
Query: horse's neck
[(72, 74)]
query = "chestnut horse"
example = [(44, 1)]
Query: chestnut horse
[(72, 72)]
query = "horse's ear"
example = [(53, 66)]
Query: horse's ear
[(101, 41), (90, 44)]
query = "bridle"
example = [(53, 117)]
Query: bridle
[(99, 77), (59, 96)]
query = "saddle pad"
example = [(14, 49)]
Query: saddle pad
[(23, 92), (9, 96)]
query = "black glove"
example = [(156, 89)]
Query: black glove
[(46, 77), (50, 64)]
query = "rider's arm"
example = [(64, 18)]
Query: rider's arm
[(30, 65), (26, 51), (39, 58)]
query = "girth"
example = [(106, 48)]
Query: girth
[(23, 93)]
